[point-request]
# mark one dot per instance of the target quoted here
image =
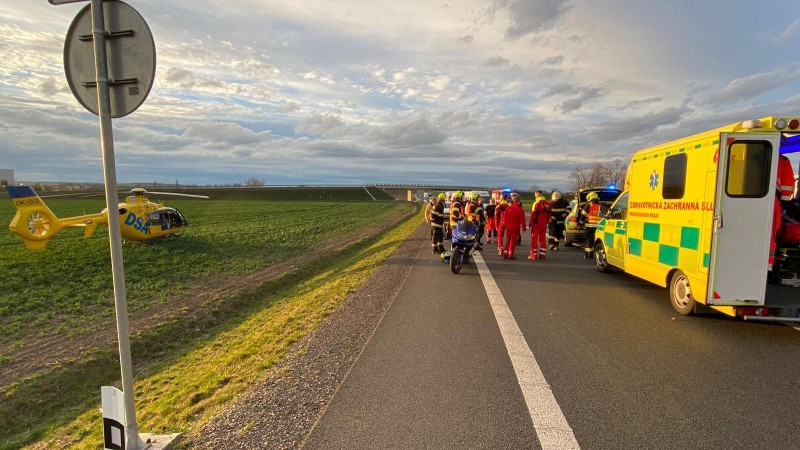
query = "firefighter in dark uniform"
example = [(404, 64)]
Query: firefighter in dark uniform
[(437, 222), (558, 216)]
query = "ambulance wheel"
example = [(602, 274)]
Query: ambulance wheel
[(680, 293), (600, 261)]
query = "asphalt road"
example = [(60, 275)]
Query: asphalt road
[(626, 371)]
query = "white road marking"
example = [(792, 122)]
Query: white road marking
[(549, 423), (790, 324)]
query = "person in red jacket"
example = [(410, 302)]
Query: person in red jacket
[(500, 222), (784, 191), (514, 218), (540, 217)]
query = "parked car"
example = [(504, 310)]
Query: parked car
[(574, 226)]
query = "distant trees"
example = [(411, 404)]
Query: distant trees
[(598, 174), (254, 182)]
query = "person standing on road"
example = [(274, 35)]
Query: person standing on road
[(540, 217), (491, 229), (514, 218), (500, 220), (590, 214), (437, 224), (475, 215), (428, 209), (558, 217), (456, 209)]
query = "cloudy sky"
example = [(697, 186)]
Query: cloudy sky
[(479, 92)]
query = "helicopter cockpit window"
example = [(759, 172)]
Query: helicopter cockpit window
[(155, 218)]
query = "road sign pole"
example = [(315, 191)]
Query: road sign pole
[(132, 441)]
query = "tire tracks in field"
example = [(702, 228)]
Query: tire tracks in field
[(52, 351)]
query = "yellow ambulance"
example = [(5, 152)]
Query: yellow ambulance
[(696, 217)]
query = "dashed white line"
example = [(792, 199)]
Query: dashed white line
[(549, 423)]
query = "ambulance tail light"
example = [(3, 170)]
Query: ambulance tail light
[(757, 311), (793, 124)]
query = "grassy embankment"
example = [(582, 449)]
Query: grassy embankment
[(185, 369)]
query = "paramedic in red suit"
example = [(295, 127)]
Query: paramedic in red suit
[(500, 222), (540, 217), (784, 190), (514, 218)]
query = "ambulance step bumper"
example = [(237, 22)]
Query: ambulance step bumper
[(772, 318)]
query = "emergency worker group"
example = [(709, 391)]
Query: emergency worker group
[(502, 221)]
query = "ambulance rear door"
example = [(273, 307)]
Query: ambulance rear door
[(743, 208)]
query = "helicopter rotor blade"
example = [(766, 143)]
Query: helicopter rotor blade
[(178, 194)]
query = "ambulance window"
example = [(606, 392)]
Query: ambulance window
[(620, 210), (748, 169), (674, 176)]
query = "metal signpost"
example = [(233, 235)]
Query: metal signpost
[(110, 72)]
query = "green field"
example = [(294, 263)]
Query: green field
[(66, 291)]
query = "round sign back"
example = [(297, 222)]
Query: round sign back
[(130, 52)]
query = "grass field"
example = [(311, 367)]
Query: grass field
[(66, 291)]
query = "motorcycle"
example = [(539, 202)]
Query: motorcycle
[(462, 245)]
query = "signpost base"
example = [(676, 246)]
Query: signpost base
[(158, 441)]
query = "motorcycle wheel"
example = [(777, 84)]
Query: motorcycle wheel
[(456, 261)]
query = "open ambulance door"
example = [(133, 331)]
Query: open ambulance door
[(743, 217)]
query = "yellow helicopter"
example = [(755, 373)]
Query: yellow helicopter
[(139, 218)]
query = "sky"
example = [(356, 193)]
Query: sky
[(454, 92)]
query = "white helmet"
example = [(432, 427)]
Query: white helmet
[(556, 195)]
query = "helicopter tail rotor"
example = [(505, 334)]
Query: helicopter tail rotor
[(34, 222)]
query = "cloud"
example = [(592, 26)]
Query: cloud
[(320, 124), (636, 104), (439, 83), (553, 60), (497, 61), (751, 86), (631, 127), (789, 33), (531, 16), (417, 133), (582, 94), (225, 133), (183, 79)]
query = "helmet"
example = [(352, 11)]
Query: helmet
[(441, 196), (592, 196), (556, 195), (475, 196), (458, 194)]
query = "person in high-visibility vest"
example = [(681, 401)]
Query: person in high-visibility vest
[(491, 227), (456, 209), (540, 217), (437, 224), (590, 214)]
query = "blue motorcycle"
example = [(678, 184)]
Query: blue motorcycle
[(463, 244)]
